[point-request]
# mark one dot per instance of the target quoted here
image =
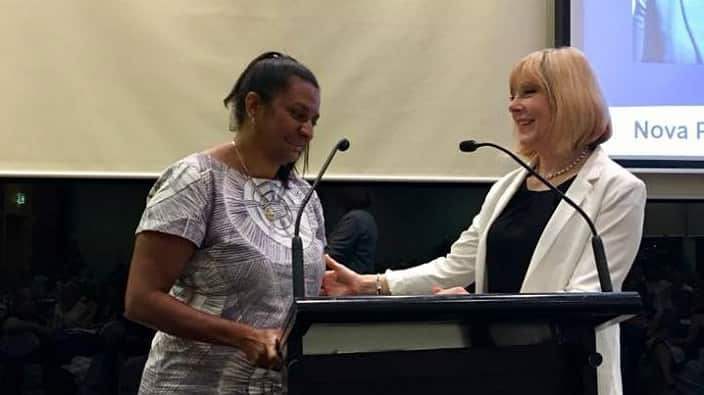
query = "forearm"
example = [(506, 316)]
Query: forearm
[(163, 312)]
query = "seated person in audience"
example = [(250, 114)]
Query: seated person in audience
[(671, 350), (211, 268), (25, 340), (525, 238), (23, 317), (354, 238), (75, 308)]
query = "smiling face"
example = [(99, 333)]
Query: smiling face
[(532, 115), (556, 104), (284, 126)]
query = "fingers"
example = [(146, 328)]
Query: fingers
[(277, 364), (264, 350), (449, 291), (337, 267), (331, 263), (268, 359), (274, 357), (278, 348), (273, 349)]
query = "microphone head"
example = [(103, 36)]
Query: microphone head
[(343, 144), (468, 146)]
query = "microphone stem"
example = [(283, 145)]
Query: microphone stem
[(296, 242), (312, 188)]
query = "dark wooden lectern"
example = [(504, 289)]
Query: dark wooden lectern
[(479, 344)]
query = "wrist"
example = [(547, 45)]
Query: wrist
[(240, 335), (367, 284), (373, 284)]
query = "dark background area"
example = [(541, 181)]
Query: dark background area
[(65, 246)]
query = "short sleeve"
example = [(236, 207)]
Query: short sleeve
[(179, 203)]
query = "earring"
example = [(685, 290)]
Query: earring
[(251, 119)]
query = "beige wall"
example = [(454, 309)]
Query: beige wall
[(122, 89)]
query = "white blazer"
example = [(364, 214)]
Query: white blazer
[(563, 260)]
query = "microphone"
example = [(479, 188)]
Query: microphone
[(597, 245), (296, 243)]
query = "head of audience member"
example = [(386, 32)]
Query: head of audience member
[(556, 104), (355, 198), (275, 105), (23, 304)]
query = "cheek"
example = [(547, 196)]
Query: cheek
[(286, 124), (278, 125)]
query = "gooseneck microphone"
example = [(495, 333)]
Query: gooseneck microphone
[(299, 290), (597, 245)]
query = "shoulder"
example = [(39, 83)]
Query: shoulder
[(359, 216), (193, 171), (611, 183), (611, 175), (190, 168)]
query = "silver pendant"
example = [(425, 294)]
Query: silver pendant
[(269, 213)]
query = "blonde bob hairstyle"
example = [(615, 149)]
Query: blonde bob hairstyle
[(580, 117)]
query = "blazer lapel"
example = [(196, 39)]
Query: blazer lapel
[(579, 189)]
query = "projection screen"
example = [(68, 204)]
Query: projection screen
[(123, 88)]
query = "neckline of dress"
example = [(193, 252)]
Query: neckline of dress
[(228, 168)]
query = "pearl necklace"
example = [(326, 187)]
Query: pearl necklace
[(267, 208), (569, 167)]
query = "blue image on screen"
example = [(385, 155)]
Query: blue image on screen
[(646, 52)]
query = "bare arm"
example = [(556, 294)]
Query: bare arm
[(158, 260)]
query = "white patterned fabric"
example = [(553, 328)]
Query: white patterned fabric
[(241, 269)]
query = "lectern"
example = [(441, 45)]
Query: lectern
[(483, 344)]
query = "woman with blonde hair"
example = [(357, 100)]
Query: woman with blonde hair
[(560, 119)]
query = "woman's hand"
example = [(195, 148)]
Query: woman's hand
[(339, 280), (450, 291), (261, 347)]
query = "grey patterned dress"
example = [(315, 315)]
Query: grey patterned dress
[(241, 269)]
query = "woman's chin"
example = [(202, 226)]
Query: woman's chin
[(294, 156), (289, 158), (526, 141)]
